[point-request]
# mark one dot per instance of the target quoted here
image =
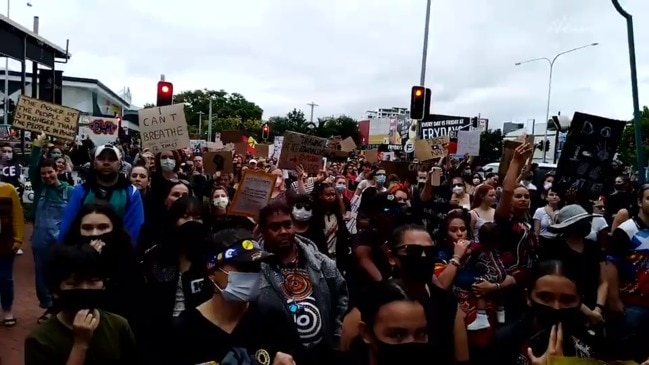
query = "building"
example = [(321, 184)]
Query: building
[(512, 126), (90, 96), (387, 113)]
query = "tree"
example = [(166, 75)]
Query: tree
[(343, 126), (295, 121), (229, 111), (491, 146), (626, 150), (148, 105)]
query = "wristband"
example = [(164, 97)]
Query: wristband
[(454, 262)]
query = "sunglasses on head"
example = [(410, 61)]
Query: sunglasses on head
[(415, 250), (305, 206), (276, 226)]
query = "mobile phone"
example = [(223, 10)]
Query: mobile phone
[(436, 176)]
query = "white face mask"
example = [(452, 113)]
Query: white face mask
[(7, 155), (168, 164), (220, 202), (302, 215), (547, 185), (476, 181), (242, 286), (458, 190), (421, 180)]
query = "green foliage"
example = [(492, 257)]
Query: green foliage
[(491, 146), (229, 111), (626, 150), (295, 121)]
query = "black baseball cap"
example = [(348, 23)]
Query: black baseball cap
[(235, 246)]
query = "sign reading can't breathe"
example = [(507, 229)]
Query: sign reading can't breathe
[(164, 128)]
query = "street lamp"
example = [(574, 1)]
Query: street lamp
[(551, 63), (634, 91), (424, 54)]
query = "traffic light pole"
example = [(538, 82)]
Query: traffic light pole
[(209, 122), (637, 120), (424, 54)]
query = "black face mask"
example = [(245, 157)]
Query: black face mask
[(547, 316), (402, 353), (107, 238), (417, 268), (74, 300)]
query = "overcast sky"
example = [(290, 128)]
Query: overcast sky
[(350, 56)]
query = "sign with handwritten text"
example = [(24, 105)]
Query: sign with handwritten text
[(302, 149), (164, 128), (52, 119), (253, 193), (585, 163)]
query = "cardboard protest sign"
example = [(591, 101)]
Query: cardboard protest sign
[(423, 152), (509, 146), (262, 150), (217, 161), (52, 119), (371, 156), (585, 162), (231, 136), (241, 148), (347, 144), (302, 149), (253, 193), (164, 128)]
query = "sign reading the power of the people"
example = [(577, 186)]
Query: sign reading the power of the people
[(436, 125), (302, 149), (52, 119), (164, 128)]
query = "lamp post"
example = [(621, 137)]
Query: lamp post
[(551, 63), (209, 117), (634, 91), (424, 53), (200, 124)]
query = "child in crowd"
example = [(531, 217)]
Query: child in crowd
[(81, 333)]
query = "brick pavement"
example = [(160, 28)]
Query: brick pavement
[(25, 307)]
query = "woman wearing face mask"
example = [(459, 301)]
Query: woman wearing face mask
[(553, 298), (231, 324), (99, 226), (476, 181), (342, 188), (462, 198), (302, 211), (220, 217), (175, 271), (374, 178)]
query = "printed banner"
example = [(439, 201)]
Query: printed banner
[(253, 193)]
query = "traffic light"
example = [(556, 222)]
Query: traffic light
[(265, 131), (474, 122), (165, 93), (418, 102), (547, 144)]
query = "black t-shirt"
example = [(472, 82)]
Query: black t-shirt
[(584, 266), (258, 336), (371, 238)]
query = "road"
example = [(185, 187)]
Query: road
[(25, 308)]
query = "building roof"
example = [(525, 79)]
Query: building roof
[(79, 80), (58, 51)]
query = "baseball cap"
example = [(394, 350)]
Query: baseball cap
[(110, 147), (252, 161), (228, 246)]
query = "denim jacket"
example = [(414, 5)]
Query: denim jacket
[(50, 204), (329, 289)]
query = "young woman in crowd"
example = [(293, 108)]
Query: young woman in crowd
[(219, 218), (141, 178), (544, 217), (482, 210)]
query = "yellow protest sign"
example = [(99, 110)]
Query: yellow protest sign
[(52, 119)]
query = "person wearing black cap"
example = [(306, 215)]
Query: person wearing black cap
[(232, 328)]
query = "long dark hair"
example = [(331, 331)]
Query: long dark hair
[(119, 234)]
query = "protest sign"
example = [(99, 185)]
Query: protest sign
[(302, 149), (509, 146), (253, 193), (371, 156), (585, 162), (262, 150), (214, 161), (52, 119), (164, 128), (468, 142)]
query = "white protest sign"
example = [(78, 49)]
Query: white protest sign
[(52, 119), (468, 142), (302, 149), (164, 128), (253, 193)]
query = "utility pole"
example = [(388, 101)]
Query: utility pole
[(6, 90), (200, 124), (209, 126), (312, 105), (424, 55)]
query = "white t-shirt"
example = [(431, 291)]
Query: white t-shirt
[(542, 216), (598, 224)]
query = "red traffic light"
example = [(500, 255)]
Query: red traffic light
[(165, 93), (265, 131)]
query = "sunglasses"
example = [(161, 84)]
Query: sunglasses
[(276, 226), (415, 250), (303, 206)]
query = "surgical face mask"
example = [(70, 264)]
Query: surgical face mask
[(476, 181), (242, 286), (54, 156), (341, 187), (547, 186), (167, 164), (421, 180), (458, 190), (302, 214), (380, 179), (221, 202), (7, 155)]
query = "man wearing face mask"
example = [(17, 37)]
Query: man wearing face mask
[(302, 283), (263, 334), (105, 184)]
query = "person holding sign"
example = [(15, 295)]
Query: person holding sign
[(106, 184)]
